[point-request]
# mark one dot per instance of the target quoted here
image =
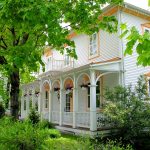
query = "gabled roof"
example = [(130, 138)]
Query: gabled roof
[(128, 8)]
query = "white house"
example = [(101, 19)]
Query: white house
[(70, 92)]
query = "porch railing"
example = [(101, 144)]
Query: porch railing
[(67, 118), (55, 116), (46, 115), (83, 119)]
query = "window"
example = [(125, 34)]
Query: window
[(66, 60), (46, 99), (97, 95), (49, 63), (93, 47), (68, 101), (24, 104)]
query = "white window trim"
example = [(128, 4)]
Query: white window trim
[(66, 55), (97, 47)]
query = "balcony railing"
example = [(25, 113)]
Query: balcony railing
[(55, 65)]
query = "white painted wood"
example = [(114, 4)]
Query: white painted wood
[(93, 126), (132, 71), (50, 104), (61, 102)]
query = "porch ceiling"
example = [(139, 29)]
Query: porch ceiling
[(109, 66)]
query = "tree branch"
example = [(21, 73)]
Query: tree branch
[(3, 47), (3, 41), (2, 60), (25, 38)]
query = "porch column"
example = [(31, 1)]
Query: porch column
[(61, 103), (50, 104), (93, 121), (75, 102)]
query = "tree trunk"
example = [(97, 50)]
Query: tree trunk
[(14, 93)]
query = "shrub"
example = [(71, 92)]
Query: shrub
[(81, 144), (128, 108), (46, 124), (53, 133), (2, 110), (34, 116), (20, 135)]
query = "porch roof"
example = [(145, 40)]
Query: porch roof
[(113, 65)]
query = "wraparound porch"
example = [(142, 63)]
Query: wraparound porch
[(74, 98)]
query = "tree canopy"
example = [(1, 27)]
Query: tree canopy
[(26, 25)]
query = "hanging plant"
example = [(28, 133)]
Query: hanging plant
[(56, 89), (37, 93), (25, 95)]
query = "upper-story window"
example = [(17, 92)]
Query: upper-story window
[(66, 59), (93, 47)]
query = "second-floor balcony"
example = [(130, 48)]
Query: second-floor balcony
[(59, 65)]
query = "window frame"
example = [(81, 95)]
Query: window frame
[(46, 99), (24, 105), (92, 43), (66, 61)]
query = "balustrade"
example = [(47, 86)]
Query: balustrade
[(67, 118), (83, 119), (55, 116)]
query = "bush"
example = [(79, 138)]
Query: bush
[(128, 109), (81, 144), (2, 110), (46, 124), (20, 135), (34, 116), (53, 133)]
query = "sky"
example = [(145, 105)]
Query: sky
[(139, 3)]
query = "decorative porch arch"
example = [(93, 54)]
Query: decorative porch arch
[(102, 75), (67, 78), (55, 81), (47, 82), (82, 75)]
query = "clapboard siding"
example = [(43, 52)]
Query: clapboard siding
[(132, 71)]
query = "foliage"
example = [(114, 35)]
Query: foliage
[(24, 136), (34, 116), (53, 133), (45, 124), (129, 108), (25, 27), (2, 110), (81, 143), (20, 135), (139, 42)]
